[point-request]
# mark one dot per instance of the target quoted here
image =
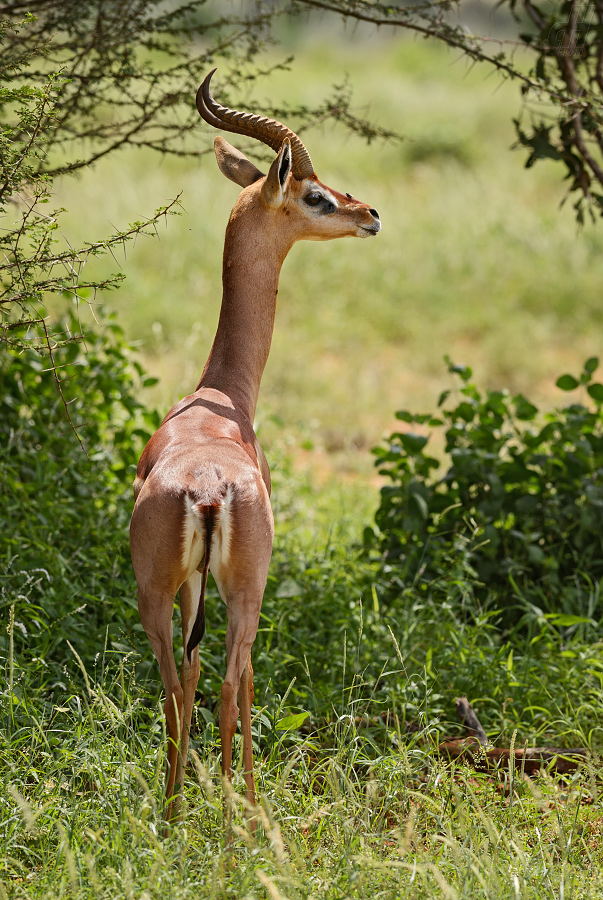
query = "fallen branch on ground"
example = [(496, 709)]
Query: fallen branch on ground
[(530, 760), (473, 749)]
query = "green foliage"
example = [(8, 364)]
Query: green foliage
[(64, 564), (354, 636), (520, 500)]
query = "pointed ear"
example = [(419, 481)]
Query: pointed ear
[(235, 164), (273, 189)]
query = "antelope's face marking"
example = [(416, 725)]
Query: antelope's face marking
[(323, 213), (304, 208)]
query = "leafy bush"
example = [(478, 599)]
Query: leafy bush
[(359, 641), (518, 505), (64, 561)]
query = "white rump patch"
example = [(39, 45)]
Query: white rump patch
[(222, 536), (193, 538)]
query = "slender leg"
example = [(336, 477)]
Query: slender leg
[(243, 618), (228, 726), (246, 696), (156, 610), (241, 581), (228, 718), (189, 677)]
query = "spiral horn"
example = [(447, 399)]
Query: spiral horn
[(269, 131)]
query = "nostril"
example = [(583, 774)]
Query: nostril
[(374, 213)]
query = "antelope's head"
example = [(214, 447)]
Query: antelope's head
[(304, 208)]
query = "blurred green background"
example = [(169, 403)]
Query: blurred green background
[(476, 258)]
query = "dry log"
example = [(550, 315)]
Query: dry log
[(475, 751), (469, 750)]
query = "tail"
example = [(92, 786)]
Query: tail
[(198, 631)]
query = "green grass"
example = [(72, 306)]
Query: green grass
[(475, 258), (346, 812)]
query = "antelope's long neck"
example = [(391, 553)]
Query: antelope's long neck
[(253, 257)]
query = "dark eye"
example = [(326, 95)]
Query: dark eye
[(313, 199)]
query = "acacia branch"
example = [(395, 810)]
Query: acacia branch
[(60, 385), (438, 30)]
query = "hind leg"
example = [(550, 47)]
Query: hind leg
[(239, 640), (190, 593), (246, 696), (241, 573), (243, 607), (240, 636), (156, 608)]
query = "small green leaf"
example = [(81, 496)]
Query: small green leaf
[(524, 410), (567, 383), (413, 443), (465, 411), (591, 364), (596, 392), (405, 416), (428, 663), (464, 371), (420, 503), (289, 722)]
